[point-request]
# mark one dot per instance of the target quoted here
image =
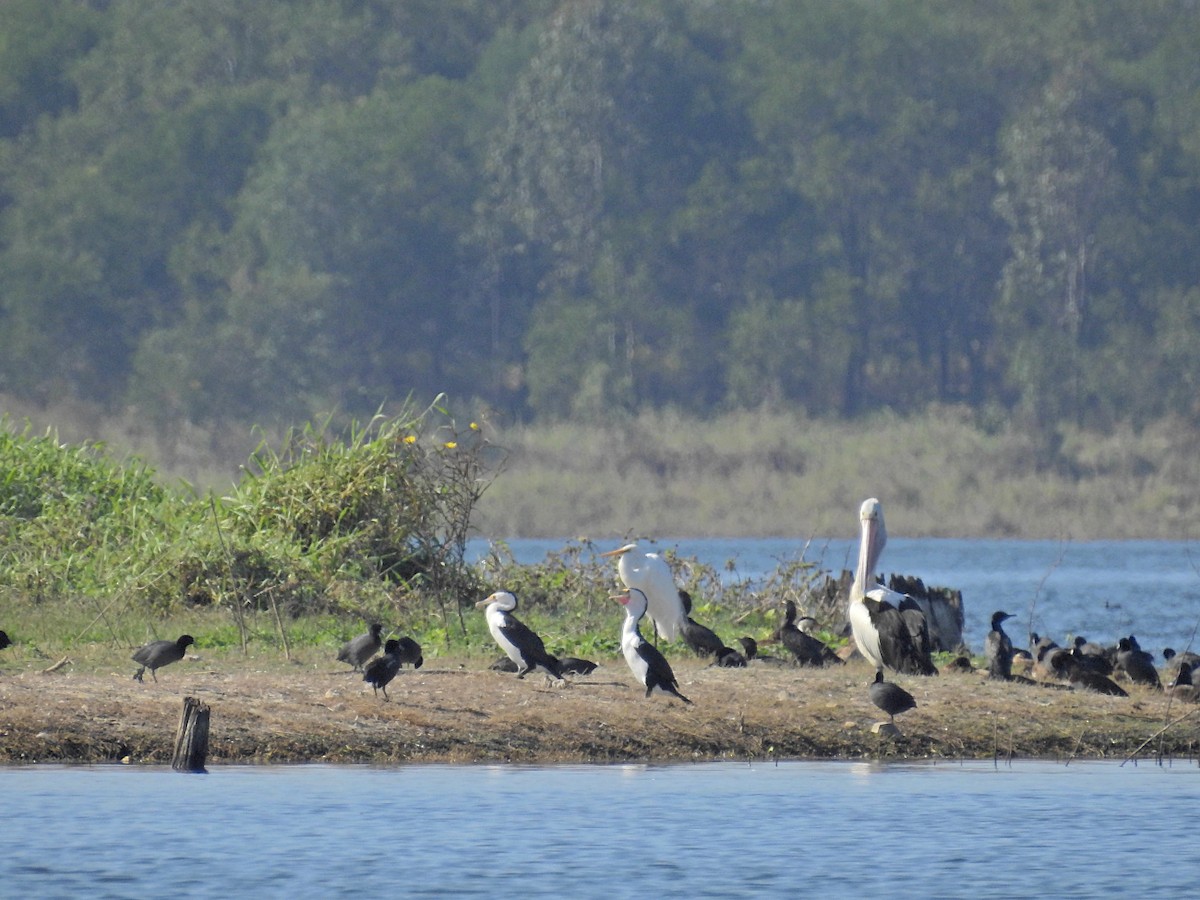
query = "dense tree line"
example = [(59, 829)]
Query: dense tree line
[(219, 210)]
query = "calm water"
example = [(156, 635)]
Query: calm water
[(1101, 589), (723, 830)]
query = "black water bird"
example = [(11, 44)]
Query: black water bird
[(573, 665), (360, 649), (1187, 656), (648, 665), (516, 638), (998, 648), (380, 671), (806, 649), (157, 654), (4, 641), (1183, 687), (1176, 660), (410, 653), (729, 658), (1091, 656), (1136, 663), (889, 697), (751, 654), (702, 640), (1093, 681)]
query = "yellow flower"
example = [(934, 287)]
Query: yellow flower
[(474, 426), (410, 439), (450, 445)]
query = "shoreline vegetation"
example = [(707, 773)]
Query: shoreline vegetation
[(325, 532)]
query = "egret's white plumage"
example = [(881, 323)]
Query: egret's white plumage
[(650, 574), (648, 665)]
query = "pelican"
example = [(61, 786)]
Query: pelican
[(878, 627), (650, 574), (647, 664), (515, 637)]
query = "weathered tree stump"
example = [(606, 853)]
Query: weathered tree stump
[(191, 740)]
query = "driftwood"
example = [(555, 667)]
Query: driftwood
[(191, 740), (943, 609)]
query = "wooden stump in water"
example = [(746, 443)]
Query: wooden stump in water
[(191, 740)]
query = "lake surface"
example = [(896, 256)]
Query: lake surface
[(823, 829), (1104, 590)]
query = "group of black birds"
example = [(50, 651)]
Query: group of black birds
[(1086, 665), (380, 671)]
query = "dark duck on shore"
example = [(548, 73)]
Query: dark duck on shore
[(360, 649), (751, 655), (702, 640), (573, 665), (998, 648), (1183, 686), (380, 671), (891, 698), (4, 641), (157, 654), (1136, 663), (648, 665), (515, 638), (1091, 656), (806, 649)]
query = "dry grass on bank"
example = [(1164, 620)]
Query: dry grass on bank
[(458, 711)]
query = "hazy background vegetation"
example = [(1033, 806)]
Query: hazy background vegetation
[(798, 218)]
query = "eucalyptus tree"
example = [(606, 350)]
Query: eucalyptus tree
[(874, 120), (608, 127)]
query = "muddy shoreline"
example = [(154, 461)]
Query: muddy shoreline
[(458, 711)]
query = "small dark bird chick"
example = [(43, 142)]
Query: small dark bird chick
[(358, 650), (157, 654)]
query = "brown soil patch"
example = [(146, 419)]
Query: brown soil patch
[(459, 711)]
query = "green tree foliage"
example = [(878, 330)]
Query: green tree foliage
[(219, 210)]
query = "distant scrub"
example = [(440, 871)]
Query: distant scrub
[(372, 520)]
